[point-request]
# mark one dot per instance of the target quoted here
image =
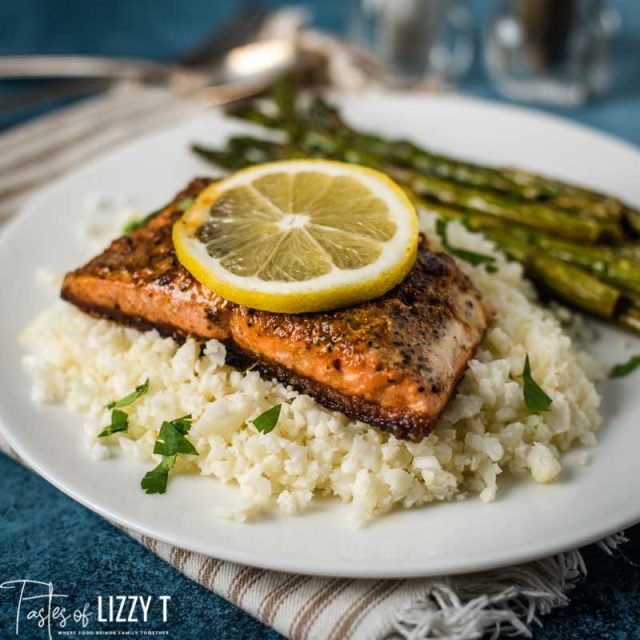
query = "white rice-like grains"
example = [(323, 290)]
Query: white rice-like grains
[(313, 452)]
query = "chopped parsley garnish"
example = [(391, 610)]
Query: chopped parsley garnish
[(155, 481), (119, 422), (534, 397), (136, 223), (468, 256), (171, 441), (251, 367), (266, 422), (119, 419), (131, 225), (185, 203), (624, 369), (130, 398)]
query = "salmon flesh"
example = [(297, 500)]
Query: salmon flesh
[(392, 362)]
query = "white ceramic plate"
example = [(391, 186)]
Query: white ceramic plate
[(526, 521)]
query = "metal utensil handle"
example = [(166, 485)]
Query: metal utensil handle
[(63, 66)]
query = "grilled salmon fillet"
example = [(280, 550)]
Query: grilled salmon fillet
[(392, 362)]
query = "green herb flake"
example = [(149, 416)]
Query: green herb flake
[(132, 225), (185, 203), (131, 398), (183, 425), (251, 367), (136, 223), (266, 422), (534, 397), (119, 422), (155, 481), (468, 256), (624, 369), (171, 441)]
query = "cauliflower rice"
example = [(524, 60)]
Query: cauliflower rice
[(313, 452)]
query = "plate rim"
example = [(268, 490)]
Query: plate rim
[(505, 558), (497, 562)]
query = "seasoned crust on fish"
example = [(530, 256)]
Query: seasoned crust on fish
[(393, 362), (138, 281)]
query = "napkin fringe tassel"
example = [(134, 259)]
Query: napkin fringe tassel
[(504, 602)]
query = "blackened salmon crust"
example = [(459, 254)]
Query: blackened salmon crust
[(393, 362)]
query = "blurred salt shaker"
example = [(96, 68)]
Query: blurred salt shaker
[(549, 51), (416, 39)]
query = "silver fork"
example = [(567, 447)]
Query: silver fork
[(204, 68)]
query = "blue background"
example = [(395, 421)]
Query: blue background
[(45, 535)]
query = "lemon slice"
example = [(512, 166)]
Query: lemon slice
[(300, 235)]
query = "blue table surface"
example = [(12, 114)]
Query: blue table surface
[(46, 536)]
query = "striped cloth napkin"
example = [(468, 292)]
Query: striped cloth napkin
[(507, 601)]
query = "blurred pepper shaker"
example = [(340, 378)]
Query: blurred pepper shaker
[(549, 51), (416, 39)]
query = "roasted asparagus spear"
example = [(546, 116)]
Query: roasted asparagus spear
[(573, 285), (245, 150), (514, 183)]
